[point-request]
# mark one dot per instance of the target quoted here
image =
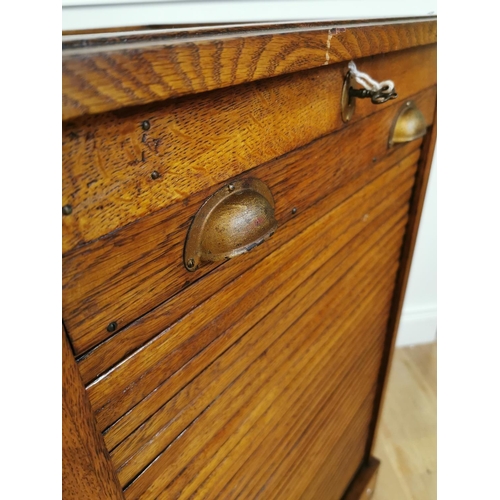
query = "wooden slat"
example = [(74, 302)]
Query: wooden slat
[(150, 428), (137, 69), (266, 440), (126, 274), (235, 405), (317, 440), (344, 458), (256, 486), (86, 466), (167, 389), (255, 408), (284, 457), (196, 395), (139, 332), (108, 159), (417, 204), (175, 346)]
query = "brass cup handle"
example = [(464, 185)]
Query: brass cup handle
[(408, 125), (235, 219)]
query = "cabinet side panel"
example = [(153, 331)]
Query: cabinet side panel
[(87, 470), (417, 203)]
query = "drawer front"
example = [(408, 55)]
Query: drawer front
[(127, 273), (197, 379), (197, 142)]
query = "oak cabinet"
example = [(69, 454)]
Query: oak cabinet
[(235, 254)]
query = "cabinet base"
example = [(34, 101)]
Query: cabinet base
[(363, 484)]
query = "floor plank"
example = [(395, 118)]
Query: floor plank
[(406, 443)]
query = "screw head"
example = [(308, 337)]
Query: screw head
[(145, 125), (112, 326), (369, 492), (155, 175), (67, 209), (230, 187), (294, 210), (190, 263)]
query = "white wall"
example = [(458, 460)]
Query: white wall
[(86, 14), (419, 318)]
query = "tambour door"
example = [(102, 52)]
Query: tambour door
[(234, 256)]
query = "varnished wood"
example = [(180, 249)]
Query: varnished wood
[(158, 67), (108, 159), (278, 356), (340, 466), (402, 280), (178, 341), (87, 472), (264, 443), (337, 455), (308, 445), (113, 35), (139, 332), (210, 421), (240, 356), (164, 393), (149, 429), (142, 258)]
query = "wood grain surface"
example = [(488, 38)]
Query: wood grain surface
[(87, 472), (255, 390), (151, 365), (105, 73), (169, 423), (262, 376), (341, 464), (139, 332), (198, 142), (334, 460), (417, 204), (126, 274), (156, 402), (137, 450)]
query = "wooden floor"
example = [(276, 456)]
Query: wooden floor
[(406, 443)]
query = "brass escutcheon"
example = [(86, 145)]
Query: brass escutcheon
[(347, 102)]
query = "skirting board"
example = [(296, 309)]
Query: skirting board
[(417, 326)]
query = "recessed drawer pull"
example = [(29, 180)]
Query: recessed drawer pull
[(234, 220), (408, 125)]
